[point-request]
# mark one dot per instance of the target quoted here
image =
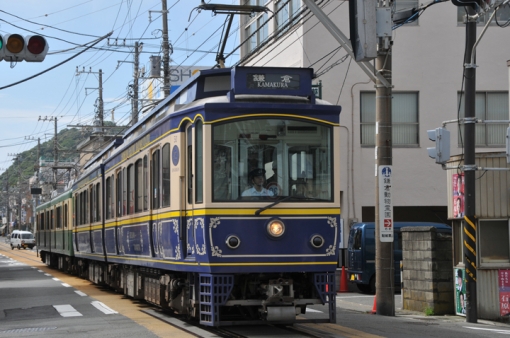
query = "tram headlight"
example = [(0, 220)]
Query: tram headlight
[(276, 228), (317, 241), (233, 242)]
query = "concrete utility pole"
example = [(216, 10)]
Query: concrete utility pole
[(100, 105), (385, 304), (384, 260), (166, 51), (469, 233), (136, 75), (137, 48), (55, 148)]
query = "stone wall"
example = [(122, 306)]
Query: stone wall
[(427, 270)]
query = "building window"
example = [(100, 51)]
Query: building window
[(404, 115), (488, 106), (501, 17), (256, 31), (494, 242), (285, 12)]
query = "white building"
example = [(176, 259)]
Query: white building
[(427, 75)]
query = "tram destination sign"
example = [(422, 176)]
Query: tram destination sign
[(272, 81)]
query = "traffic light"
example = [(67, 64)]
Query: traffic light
[(16, 48), (441, 152)]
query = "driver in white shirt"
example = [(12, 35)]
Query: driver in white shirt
[(257, 179)]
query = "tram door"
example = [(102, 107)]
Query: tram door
[(193, 224)]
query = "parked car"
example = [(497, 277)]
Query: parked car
[(361, 252), (22, 239)]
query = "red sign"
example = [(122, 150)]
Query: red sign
[(387, 223)]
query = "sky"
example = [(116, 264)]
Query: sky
[(28, 109)]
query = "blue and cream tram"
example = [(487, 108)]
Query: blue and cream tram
[(222, 203)]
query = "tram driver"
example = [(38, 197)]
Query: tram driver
[(256, 177)]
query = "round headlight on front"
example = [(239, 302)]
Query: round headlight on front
[(233, 242), (276, 228), (317, 241)]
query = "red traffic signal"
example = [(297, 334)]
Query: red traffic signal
[(16, 48)]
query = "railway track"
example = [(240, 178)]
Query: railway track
[(188, 328)]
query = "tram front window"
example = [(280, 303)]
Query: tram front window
[(272, 159)]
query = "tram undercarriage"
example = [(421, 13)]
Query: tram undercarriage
[(213, 299)]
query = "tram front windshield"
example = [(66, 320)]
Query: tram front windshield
[(271, 159)]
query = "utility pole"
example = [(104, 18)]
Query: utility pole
[(137, 48), (384, 260), (136, 75), (166, 51), (384, 282), (55, 148), (100, 105), (469, 233)]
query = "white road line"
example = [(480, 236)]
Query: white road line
[(492, 330), (67, 310), (66, 285), (313, 310), (56, 279), (80, 293), (47, 274), (103, 308)]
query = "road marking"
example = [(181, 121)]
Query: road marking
[(66, 285), (56, 279), (313, 310), (103, 308), (67, 310), (81, 293), (493, 330)]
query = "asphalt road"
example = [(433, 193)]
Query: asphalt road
[(38, 301)]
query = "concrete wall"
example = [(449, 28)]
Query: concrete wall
[(428, 274)]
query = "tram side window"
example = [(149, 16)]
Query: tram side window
[(86, 207), (155, 180), (66, 216), (77, 209), (59, 218), (189, 162), (145, 184), (199, 163), (165, 171), (98, 203), (52, 220), (41, 221), (138, 185), (108, 197), (92, 204), (119, 193), (131, 189), (124, 191)]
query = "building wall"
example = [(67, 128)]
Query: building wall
[(427, 58)]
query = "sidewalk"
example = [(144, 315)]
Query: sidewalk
[(353, 300)]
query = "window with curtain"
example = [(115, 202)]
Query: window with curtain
[(488, 106), (404, 115)]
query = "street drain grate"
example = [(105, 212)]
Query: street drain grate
[(28, 329)]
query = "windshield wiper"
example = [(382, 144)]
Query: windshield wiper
[(285, 199)]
